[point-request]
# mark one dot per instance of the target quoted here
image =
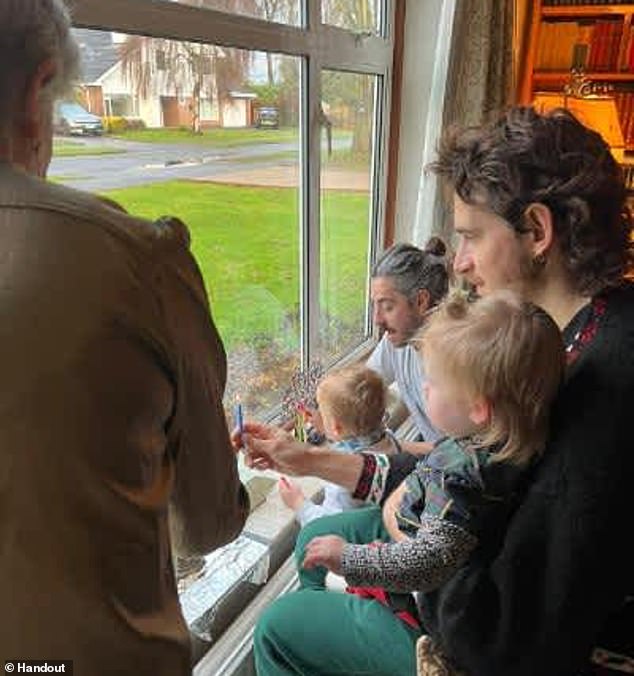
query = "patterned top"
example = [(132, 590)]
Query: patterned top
[(449, 484), (454, 496), (336, 498)]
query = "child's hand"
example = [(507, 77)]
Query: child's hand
[(291, 494), (325, 551)]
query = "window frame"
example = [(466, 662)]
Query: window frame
[(320, 47)]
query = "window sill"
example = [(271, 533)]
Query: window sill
[(233, 575)]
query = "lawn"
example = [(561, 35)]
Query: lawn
[(246, 241), (220, 137), (77, 149)]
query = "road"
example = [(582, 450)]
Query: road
[(143, 163)]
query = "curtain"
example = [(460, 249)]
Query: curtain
[(481, 78), (481, 73)]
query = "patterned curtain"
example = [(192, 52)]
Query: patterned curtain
[(481, 77)]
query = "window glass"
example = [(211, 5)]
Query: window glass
[(347, 114), (209, 134), (355, 15), (280, 11)]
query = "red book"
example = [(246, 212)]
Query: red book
[(603, 49), (617, 31), (630, 52), (595, 46)]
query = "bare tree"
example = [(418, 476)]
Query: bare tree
[(282, 11), (353, 91), (197, 70), (357, 15)]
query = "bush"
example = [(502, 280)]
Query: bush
[(117, 124)]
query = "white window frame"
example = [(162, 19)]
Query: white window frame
[(320, 47)]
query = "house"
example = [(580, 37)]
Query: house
[(146, 89)]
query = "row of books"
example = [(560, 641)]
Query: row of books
[(568, 3), (593, 45)]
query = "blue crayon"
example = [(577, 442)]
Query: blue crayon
[(239, 421)]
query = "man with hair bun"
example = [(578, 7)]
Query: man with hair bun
[(406, 283)]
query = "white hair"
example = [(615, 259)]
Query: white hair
[(31, 32)]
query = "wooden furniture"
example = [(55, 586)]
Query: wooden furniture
[(597, 36)]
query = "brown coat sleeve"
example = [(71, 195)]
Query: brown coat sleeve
[(209, 503)]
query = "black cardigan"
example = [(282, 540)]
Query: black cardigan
[(534, 601)]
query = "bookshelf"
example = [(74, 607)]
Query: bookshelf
[(596, 35)]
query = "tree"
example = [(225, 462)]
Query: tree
[(353, 91), (355, 15), (282, 11), (196, 69)]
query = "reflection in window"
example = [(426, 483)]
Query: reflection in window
[(182, 140), (355, 15), (279, 11), (347, 116)]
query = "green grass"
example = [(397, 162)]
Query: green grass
[(246, 241), (218, 137), (77, 149), (348, 159), (221, 137)]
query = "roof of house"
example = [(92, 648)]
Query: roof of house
[(98, 53)]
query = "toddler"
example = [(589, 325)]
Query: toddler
[(351, 403)]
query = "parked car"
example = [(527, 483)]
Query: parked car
[(72, 119), (267, 116)]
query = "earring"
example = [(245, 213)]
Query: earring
[(539, 261)]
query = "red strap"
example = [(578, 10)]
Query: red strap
[(379, 594)]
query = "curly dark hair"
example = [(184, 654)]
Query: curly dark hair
[(524, 157)]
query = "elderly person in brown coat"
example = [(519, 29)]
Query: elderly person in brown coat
[(112, 430)]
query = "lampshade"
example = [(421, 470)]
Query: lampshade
[(597, 112)]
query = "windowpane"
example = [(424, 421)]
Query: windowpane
[(280, 11), (355, 15), (200, 132), (347, 115)]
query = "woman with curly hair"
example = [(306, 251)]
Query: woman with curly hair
[(539, 208)]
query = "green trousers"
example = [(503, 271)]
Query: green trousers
[(317, 632)]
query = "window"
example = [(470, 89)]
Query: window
[(347, 119), (357, 15), (279, 11), (267, 135), (273, 158)]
